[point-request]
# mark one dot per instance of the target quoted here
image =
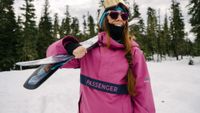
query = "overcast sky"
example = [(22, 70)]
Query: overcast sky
[(78, 8)]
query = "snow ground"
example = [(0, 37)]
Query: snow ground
[(175, 84)]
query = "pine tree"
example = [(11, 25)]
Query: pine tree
[(166, 37), (194, 11), (151, 32), (66, 24), (61, 30), (19, 34), (75, 27), (56, 27), (45, 37), (29, 32), (84, 25), (159, 39), (138, 30), (91, 26), (177, 29), (8, 35), (84, 35), (189, 51)]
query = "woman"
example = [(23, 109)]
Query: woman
[(114, 75)]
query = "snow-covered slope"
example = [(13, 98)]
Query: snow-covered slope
[(59, 94), (176, 88)]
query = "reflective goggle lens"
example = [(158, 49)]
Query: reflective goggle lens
[(114, 15)]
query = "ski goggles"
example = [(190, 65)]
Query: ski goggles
[(115, 14)]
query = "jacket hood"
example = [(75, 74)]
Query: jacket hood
[(102, 41)]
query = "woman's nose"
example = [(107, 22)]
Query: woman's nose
[(119, 17)]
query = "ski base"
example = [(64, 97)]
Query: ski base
[(42, 73)]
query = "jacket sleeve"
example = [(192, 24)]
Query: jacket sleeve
[(143, 101), (57, 48)]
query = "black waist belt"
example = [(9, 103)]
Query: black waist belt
[(104, 86)]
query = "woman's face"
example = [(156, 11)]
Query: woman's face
[(117, 18)]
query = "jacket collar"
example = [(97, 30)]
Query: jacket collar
[(102, 41)]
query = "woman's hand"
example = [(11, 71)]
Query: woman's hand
[(79, 52)]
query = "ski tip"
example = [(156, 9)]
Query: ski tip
[(26, 64), (30, 87)]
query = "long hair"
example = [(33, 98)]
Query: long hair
[(128, 55)]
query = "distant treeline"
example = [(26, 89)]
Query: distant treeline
[(22, 39)]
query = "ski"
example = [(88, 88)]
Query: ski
[(42, 73), (58, 58), (48, 60), (50, 65)]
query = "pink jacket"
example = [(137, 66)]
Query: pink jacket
[(110, 65)]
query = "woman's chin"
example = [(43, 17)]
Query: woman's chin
[(118, 25)]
